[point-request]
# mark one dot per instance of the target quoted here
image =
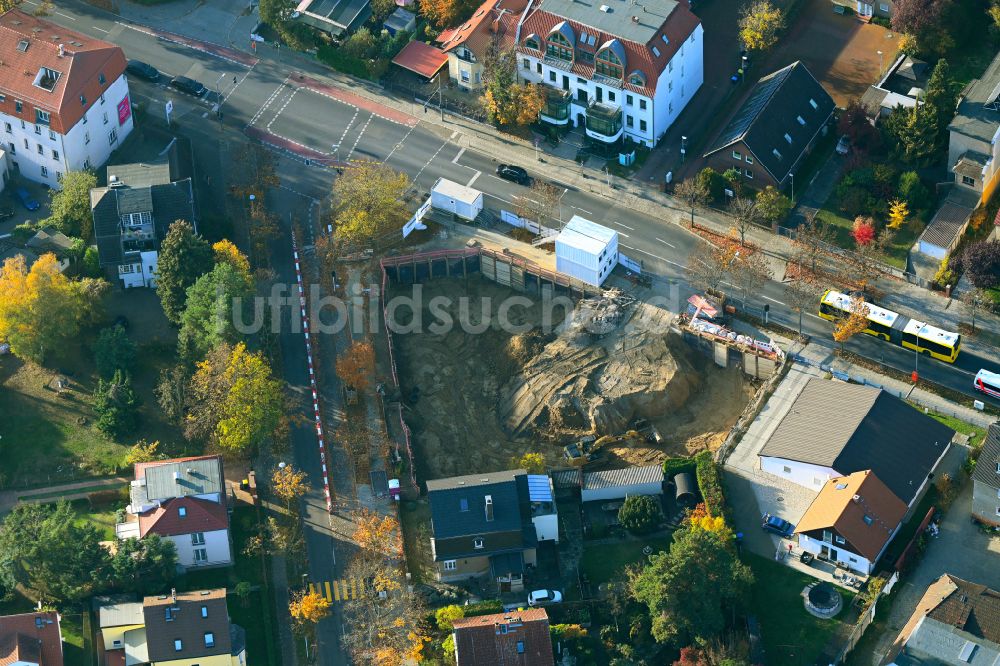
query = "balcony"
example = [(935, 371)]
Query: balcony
[(556, 111), (604, 122)]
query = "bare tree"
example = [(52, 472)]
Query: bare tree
[(708, 266), (802, 294), (542, 202), (693, 193), (749, 270), (812, 239), (975, 299), (745, 216), (863, 266)]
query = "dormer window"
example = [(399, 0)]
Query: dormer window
[(776, 153), (178, 645), (531, 42), (46, 78), (132, 221), (42, 117), (802, 121), (611, 60), (477, 543), (83, 100), (666, 40), (204, 611), (557, 46), (637, 78)]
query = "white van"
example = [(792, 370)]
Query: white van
[(988, 382)]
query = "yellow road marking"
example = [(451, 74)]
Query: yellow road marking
[(328, 597)]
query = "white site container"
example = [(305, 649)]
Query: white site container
[(586, 250), (461, 201)]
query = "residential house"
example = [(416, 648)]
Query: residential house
[(337, 18), (834, 429), (64, 100), (973, 146), (51, 241), (866, 10), (401, 20), (955, 622), (179, 629), (467, 44), (616, 70), (184, 501), (612, 484), (490, 524), (774, 129), (518, 638), (902, 85), (115, 620), (986, 480), (133, 213), (31, 639), (851, 521)]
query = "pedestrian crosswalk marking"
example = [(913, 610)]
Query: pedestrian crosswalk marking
[(341, 590)]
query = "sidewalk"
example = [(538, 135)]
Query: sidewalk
[(10, 498)]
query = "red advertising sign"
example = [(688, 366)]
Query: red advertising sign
[(124, 110)]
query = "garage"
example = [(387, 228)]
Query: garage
[(621, 483)]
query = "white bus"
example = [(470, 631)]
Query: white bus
[(988, 382)]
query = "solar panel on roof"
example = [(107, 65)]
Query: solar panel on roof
[(752, 108), (539, 489)]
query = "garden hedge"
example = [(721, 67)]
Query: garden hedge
[(710, 485), (673, 466)]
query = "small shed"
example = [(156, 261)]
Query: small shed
[(943, 233), (401, 20), (457, 199), (687, 489), (586, 251), (620, 483), (422, 59)]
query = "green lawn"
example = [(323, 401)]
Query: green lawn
[(101, 517), (76, 650), (975, 433), (791, 635), (601, 563), (841, 227), (415, 521), (243, 525), (261, 637), (57, 494)]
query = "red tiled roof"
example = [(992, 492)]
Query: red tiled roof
[(492, 17), (79, 68), (24, 639), (420, 58), (678, 27), (479, 641), (200, 516), (140, 468)]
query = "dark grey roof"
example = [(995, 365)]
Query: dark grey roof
[(142, 174), (986, 466), (458, 504), (50, 239), (972, 164), (107, 234), (947, 224), (872, 101), (631, 22), (172, 202), (852, 428), (199, 476), (771, 111), (973, 118), (132, 200), (507, 563), (567, 478), (615, 478)]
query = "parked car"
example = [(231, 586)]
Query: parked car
[(514, 174), (776, 525), (544, 597), (26, 199), (190, 86), (142, 70), (844, 145)]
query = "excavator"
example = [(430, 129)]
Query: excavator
[(589, 451)]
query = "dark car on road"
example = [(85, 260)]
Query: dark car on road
[(142, 70), (190, 86), (514, 174), (26, 199), (776, 525)]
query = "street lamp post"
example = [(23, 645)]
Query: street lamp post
[(218, 91), (743, 68), (792, 175), (684, 141), (879, 63)]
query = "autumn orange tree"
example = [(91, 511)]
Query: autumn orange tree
[(307, 609), (289, 484), (227, 253), (376, 534), (356, 364), (854, 323), (368, 205), (442, 13), (506, 101), (41, 309)]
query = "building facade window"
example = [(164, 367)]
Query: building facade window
[(966, 180), (559, 47), (608, 64), (748, 173), (200, 555), (628, 121), (526, 63), (198, 539), (611, 96), (749, 159), (52, 135), (552, 76), (41, 149), (629, 99), (642, 125), (531, 42), (637, 79), (450, 565), (42, 117), (737, 155), (7, 127), (102, 98), (38, 130), (86, 137), (112, 136), (18, 105), (477, 544), (105, 117), (642, 104), (45, 172)]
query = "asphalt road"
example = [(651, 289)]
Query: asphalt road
[(265, 96)]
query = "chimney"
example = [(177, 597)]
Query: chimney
[(62, 50), (177, 477), (489, 508)]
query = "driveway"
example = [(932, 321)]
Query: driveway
[(751, 491), (961, 549)]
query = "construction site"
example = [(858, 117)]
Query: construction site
[(603, 372)]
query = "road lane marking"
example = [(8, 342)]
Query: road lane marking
[(810, 314), (666, 243), (358, 140), (436, 152), (624, 226), (397, 146), (94, 27), (773, 300), (453, 135), (672, 263), (455, 159), (328, 595), (582, 210), (71, 18), (473, 179)]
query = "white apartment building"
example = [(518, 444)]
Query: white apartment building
[(618, 69), (64, 99)]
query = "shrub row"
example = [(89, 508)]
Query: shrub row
[(485, 607), (710, 485), (673, 466)]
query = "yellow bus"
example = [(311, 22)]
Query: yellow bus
[(896, 328)]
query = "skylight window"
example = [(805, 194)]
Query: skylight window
[(656, 51), (788, 138), (802, 121), (776, 153), (813, 103), (868, 519), (22, 45), (666, 40)]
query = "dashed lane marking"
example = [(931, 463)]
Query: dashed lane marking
[(455, 159), (473, 179), (360, 134), (666, 243)]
